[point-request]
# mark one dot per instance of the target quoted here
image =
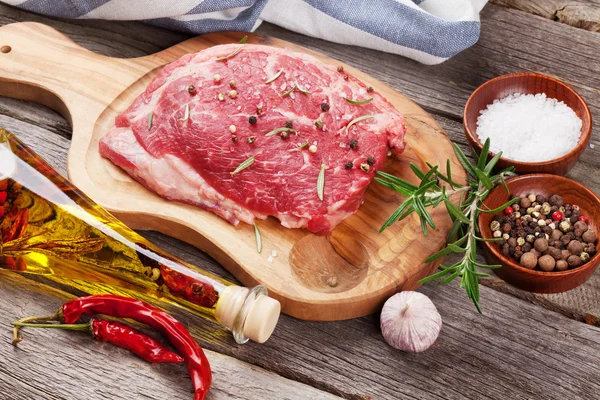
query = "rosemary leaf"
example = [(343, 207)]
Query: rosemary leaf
[(300, 89), (321, 182), (435, 276), (392, 186), (355, 120), (302, 146), (494, 266), (424, 213), (490, 165), (453, 210), (186, 114), (277, 130), (501, 208), (446, 250), (449, 279), (464, 160), (358, 102), (258, 239), (248, 162), (481, 161), (150, 117), (484, 179), (424, 227), (396, 214), (277, 75), (488, 240), (417, 171), (397, 181), (427, 177), (288, 92), (227, 57)]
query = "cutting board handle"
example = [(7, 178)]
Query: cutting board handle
[(40, 64)]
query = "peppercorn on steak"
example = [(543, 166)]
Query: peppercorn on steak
[(248, 131)]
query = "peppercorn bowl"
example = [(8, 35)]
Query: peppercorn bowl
[(528, 83), (546, 185)]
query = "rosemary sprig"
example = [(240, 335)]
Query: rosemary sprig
[(463, 235), (271, 79), (321, 182), (248, 162), (258, 239), (358, 102)]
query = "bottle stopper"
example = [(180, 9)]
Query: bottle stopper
[(248, 313)]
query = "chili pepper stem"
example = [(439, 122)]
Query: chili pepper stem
[(66, 327), (17, 338)]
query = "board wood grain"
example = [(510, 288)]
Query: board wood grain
[(344, 275)]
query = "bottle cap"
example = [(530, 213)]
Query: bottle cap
[(261, 313)]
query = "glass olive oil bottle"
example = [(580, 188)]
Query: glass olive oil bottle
[(49, 227)]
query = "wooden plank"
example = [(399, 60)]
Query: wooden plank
[(51, 364), (583, 14)]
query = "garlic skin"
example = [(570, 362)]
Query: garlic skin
[(410, 322)]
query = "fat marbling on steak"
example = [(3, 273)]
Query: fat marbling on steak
[(184, 143)]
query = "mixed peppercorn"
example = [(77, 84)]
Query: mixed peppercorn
[(545, 233)]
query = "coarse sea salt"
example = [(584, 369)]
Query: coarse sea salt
[(529, 128)]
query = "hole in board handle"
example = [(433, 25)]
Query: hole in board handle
[(5, 49)]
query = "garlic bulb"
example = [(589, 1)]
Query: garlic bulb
[(410, 322)]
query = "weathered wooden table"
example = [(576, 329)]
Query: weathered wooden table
[(525, 346)]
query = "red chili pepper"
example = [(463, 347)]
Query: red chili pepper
[(186, 287), (18, 225), (120, 335), (124, 307), (1, 211), (3, 196)]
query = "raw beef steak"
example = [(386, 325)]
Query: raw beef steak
[(202, 118)]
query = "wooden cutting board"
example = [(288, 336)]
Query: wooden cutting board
[(348, 274)]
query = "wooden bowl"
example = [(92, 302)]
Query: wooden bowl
[(534, 280), (529, 83)]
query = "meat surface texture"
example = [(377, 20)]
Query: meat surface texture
[(185, 143)]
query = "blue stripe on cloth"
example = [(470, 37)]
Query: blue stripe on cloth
[(403, 25), (207, 6), (243, 22), (62, 8)]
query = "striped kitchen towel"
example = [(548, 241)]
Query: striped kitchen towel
[(429, 31)]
